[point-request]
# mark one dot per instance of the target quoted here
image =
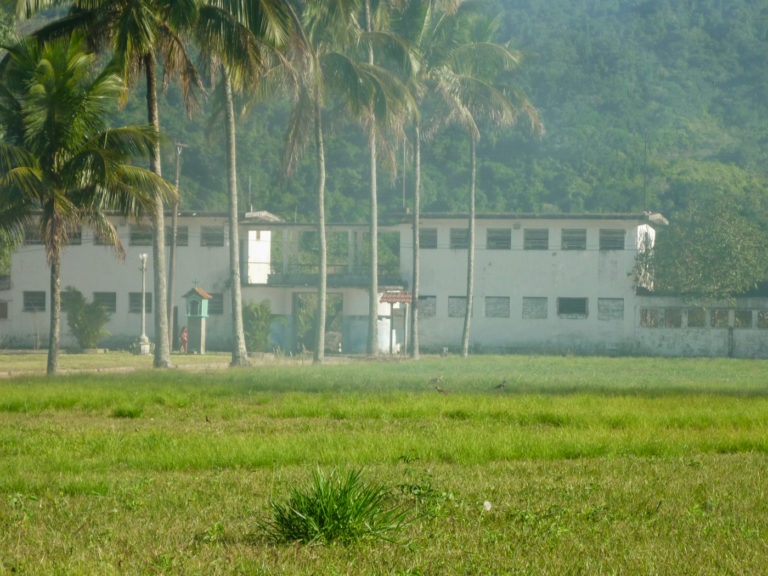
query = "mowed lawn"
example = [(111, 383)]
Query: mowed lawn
[(573, 466)]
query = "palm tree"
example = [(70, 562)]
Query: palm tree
[(460, 76), (239, 35), (137, 32), (467, 84), (327, 65), (58, 159)]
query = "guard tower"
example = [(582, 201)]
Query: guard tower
[(197, 312)]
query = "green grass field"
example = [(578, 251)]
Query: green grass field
[(590, 465)]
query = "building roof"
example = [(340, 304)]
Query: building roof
[(395, 297), (198, 292)]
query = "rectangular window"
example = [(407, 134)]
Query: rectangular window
[(697, 318), (719, 318), (459, 238), (497, 306), (182, 236), (134, 302), (34, 301), (5, 281), (75, 237), (573, 239), (216, 304), (499, 239), (673, 318), (427, 306), (742, 319), (457, 306), (612, 239), (428, 238), (140, 236), (212, 236), (3, 310), (650, 318), (108, 300), (762, 319), (534, 308), (572, 307), (610, 309), (32, 236), (536, 239)]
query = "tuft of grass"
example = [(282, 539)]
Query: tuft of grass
[(127, 412), (335, 507)]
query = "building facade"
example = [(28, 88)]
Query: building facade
[(543, 283)]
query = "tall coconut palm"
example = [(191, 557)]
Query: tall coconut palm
[(59, 160), (327, 67), (239, 35), (467, 82), (138, 32)]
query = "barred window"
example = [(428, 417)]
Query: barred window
[(428, 238), (650, 318), (140, 236), (216, 303), (762, 319), (719, 318), (573, 239), (742, 319), (499, 239), (612, 239), (497, 306), (697, 318), (212, 236), (673, 318), (535, 308), (535, 239), (182, 235), (34, 301), (108, 300), (459, 238), (457, 306), (427, 306), (572, 307), (610, 309), (134, 302)]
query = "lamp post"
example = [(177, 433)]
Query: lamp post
[(143, 347)]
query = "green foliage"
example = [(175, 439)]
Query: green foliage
[(713, 250), (257, 319), (86, 320), (335, 507)]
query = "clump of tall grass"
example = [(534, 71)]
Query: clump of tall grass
[(335, 507)]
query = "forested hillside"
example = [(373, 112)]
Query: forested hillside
[(647, 104)]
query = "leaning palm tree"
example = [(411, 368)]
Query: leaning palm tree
[(58, 159), (239, 36), (138, 32)]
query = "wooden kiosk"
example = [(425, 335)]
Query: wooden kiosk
[(197, 312)]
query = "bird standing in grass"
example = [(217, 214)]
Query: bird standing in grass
[(441, 390), (500, 386)]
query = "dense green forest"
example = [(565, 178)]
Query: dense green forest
[(646, 106)]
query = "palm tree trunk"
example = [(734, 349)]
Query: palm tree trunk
[(54, 334), (162, 350), (470, 253), (323, 271), (373, 300), (416, 246), (239, 351)]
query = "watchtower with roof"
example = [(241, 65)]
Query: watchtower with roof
[(197, 313)]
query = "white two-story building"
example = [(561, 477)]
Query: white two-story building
[(543, 283)]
